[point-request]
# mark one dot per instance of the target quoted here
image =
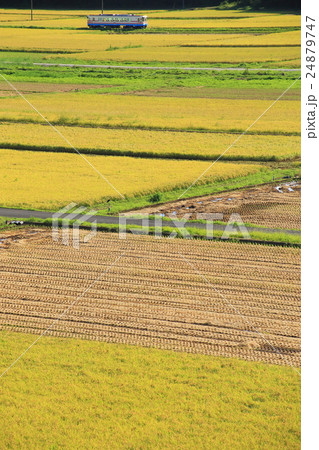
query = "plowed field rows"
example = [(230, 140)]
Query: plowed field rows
[(273, 206), (216, 298)]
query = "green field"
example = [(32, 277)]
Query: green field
[(75, 394), (115, 80)]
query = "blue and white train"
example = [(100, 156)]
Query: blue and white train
[(117, 21)]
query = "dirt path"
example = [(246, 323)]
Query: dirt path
[(42, 88)]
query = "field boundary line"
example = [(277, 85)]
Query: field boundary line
[(237, 312), (145, 154), (239, 137), (62, 136), (106, 126), (63, 314), (218, 69)]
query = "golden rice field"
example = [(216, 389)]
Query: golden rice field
[(193, 54), (143, 121), (206, 13), (48, 22), (4, 12), (86, 45), (291, 63), (32, 39), (24, 18), (51, 180), (128, 140), (165, 112), (86, 40), (24, 14), (81, 22), (285, 39), (254, 21), (286, 20), (195, 13)]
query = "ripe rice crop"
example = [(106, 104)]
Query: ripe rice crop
[(289, 63), (49, 22), (287, 38), (287, 20), (86, 40), (51, 180), (24, 19), (7, 18), (81, 22), (153, 47), (161, 112), (205, 13), (128, 376), (195, 13), (193, 54), (73, 12), (44, 12), (161, 143), (156, 19)]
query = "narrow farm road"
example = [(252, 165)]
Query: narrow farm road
[(114, 220)]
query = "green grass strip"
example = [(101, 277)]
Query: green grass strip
[(181, 233), (266, 175)]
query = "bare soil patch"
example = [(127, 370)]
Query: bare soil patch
[(42, 88), (272, 206), (19, 236), (229, 93)]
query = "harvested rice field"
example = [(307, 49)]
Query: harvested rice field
[(273, 206), (35, 88), (216, 298)]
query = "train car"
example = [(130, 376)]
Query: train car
[(117, 21)]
